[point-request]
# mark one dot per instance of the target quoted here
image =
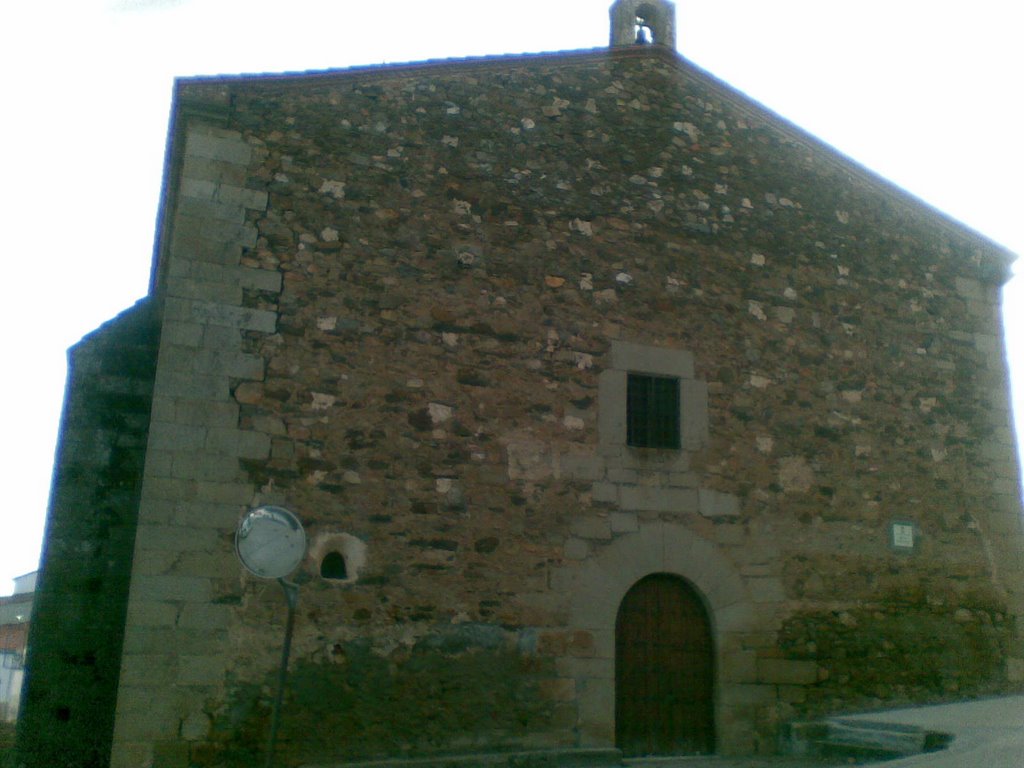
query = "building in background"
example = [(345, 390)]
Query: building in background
[(619, 412), (15, 612)]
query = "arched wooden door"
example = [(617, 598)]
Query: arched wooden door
[(664, 670)]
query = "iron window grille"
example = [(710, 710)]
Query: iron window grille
[(652, 411)]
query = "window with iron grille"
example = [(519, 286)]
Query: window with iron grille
[(652, 411)]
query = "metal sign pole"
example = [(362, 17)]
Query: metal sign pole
[(270, 543), (291, 593)]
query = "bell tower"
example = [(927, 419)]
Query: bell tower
[(643, 22)]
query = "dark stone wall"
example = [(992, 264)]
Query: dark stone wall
[(74, 652)]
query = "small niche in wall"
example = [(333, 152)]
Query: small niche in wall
[(333, 566), (338, 557)]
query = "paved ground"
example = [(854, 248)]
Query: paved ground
[(737, 762), (988, 733)]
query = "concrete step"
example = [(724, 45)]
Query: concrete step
[(861, 739), (551, 758)]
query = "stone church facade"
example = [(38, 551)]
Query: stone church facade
[(617, 410)]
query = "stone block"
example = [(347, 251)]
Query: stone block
[(623, 522), (253, 445), (787, 672), (259, 279), (766, 590), (199, 670), (581, 467), (737, 617), (716, 504), (186, 588), (222, 338), (747, 694), (201, 189), (605, 492), (242, 366), (576, 549), (205, 617), (557, 689), (176, 437), (206, 466), (591, 527), (643, 358), (195, 726), (231, 234), (198, 514), (604, 642), (611, 408), (159, 463), (205, 290), (222, 440), (244, 318), (794, 694), (969, 289), (585, 668), (171, 753), (694, 414), (213, 415), (152, 669), (192, 386), (152, 562), (173, 489), (1015, 670), (1002, 524), (678, 500), (738, 667), (597, 705), (684, 479), (190, 207), (185, 334), (153, 615), (228, 149), (252, 199), (171, 538), (623, 476), (216, 564), (217, 171), (138, 703), (206, 250), (226, 493), (130, 754)]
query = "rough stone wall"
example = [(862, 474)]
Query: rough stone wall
[(458, 250), (78, 618), (444, 263)]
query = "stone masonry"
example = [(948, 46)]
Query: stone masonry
[(404, 302)]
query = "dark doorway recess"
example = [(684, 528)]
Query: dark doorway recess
[(664, 670)]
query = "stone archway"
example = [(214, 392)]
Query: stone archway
[(593, 590)]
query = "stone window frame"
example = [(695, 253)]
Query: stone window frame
[(629, 357)]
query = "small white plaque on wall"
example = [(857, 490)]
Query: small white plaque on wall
[(902, 535)]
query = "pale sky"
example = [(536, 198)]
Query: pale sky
[(927, 93)]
